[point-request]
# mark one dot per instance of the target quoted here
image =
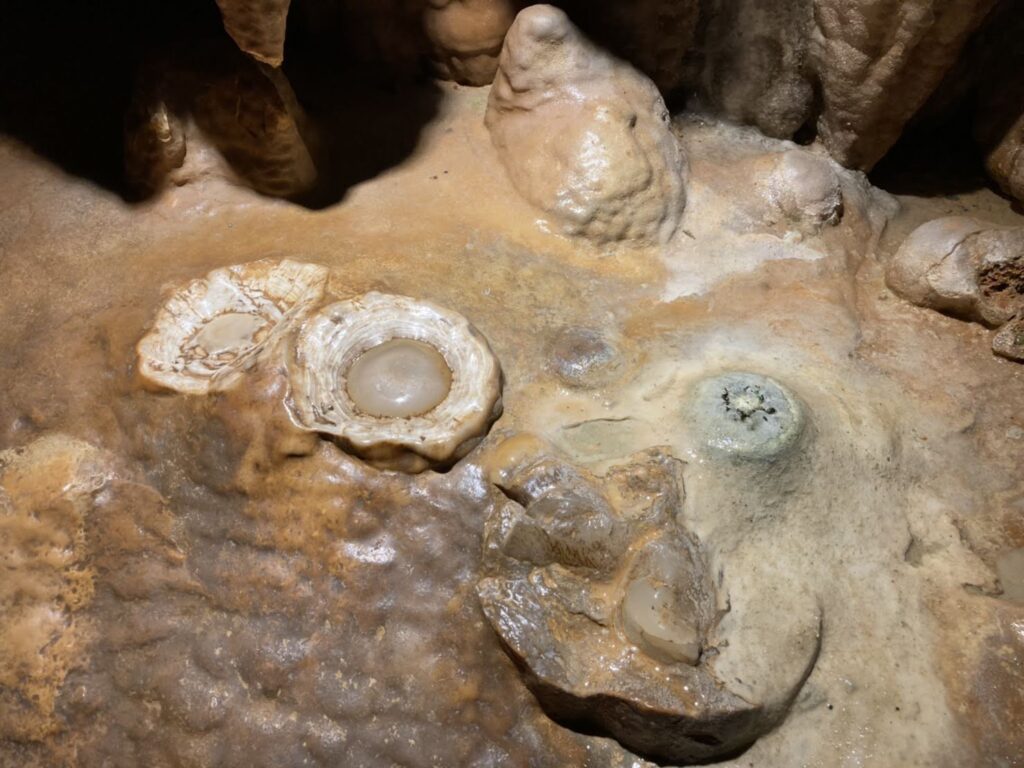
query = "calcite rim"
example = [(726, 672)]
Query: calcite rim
[(332, 339), (276, 291)]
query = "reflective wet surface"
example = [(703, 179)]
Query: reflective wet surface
[(200, 584)]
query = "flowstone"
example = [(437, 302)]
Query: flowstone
[(609, 606)]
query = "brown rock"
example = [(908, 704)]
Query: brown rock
[(257, 26), (1009, 342), (214, 112), (607, 604), (466, 37), (755, 66), (999, 120), (878, 61), (155, 144)]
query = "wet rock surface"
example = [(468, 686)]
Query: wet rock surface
[(328, 394), (215, 328), (584, 137), (610, 607), (887, 516), (963, 267), (746, 416)]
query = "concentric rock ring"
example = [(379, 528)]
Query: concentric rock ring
[(333, 339), (208, 333)]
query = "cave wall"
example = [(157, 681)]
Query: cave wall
[(851, 73)]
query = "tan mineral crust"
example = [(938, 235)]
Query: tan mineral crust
[(198, 580)]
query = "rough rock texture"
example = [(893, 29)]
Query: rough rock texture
[(878, 61), (257, 26), (963, 267), (336, 620), (753, 63), (653, 35), (74, 528), (214, 112), (1009, 341), (800, 188), (212, 330), (154, 143), (333, 339), (584, 137), (253, 118), (45, 491), (861, 70), (466, 37), (606, 600), (1005, 157), (999, 110)]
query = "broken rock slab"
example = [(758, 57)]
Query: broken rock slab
[(257, 27)]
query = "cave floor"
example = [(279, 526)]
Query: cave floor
[(317, 612)]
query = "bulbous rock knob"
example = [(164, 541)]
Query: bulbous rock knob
[(584, 136)]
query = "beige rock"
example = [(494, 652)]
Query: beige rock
[(257, 26), (466, 37), (801, 189), (962, 267), (583, 136), (878, 61)]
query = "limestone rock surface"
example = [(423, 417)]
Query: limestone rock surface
[(753, 63), (962, 267), (801, 189), (214, 113), (1009, 341), (878, 61), (583, 136), (466, 37), (999, 118), (608, 604)]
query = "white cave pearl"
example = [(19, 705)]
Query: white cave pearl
[(398, 379)]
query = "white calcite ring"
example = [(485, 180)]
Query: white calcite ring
[(212, 330), (403, 384)]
